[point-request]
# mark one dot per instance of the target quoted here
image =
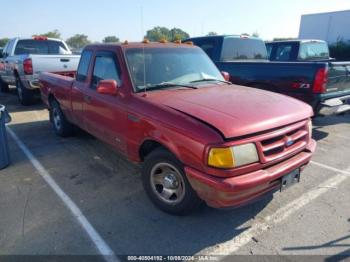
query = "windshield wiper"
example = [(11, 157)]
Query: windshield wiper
[(169, 84), (211, 80)]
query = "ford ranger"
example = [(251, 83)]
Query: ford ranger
[(322, 83), (22, 60), (198, 136)]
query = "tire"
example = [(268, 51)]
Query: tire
[(165, 183), (25, 96), (4, 88), (60, 124)]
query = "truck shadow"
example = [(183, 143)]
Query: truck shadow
[(331, 120), (11, 102), (108, 190), (320, 122), (318, 134)]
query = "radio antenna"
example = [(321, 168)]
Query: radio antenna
[(143, 53)]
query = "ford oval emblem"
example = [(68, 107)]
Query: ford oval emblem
[(289, 141)]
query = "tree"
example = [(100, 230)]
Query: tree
[(3, 41), (255, 34), (52, 34), (110, 39), (212, 33), (78, 41), (283, 38), (177, 34), (162, 33), (157, 33)]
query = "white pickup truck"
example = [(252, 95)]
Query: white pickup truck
[(23, 60)]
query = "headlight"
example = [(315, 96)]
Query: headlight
[(230, 157), (309, 126)]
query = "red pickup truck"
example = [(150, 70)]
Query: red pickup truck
[(199, 137)]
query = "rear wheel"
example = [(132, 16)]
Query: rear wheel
[(60, 124), (25, 96), (4, 87), (166, 184)]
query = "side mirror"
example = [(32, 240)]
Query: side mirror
[(107, 87), (225, 75)]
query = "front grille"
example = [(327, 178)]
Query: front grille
[(283, 142)]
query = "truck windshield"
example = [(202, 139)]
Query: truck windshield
[(243, 49), (40, 47), (158, 68), (313, 51)]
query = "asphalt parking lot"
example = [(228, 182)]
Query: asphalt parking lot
[(311, 218)]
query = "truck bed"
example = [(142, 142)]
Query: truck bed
[(281, 77), (59, 85), (54, 63)]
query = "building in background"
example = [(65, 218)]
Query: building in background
[(331, 27)]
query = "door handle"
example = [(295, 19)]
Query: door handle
[(87, 98), (64, 59)]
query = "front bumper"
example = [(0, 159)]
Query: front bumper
[(239, 190)]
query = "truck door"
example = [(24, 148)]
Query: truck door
[(10, 61), (105, 115), (2, 62), (5, 69), (80, 87)]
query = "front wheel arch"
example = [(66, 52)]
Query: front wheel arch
[(151, 144), (147, 147)]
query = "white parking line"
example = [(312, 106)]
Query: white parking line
[(330, 168), (233, 245), (95, 237)]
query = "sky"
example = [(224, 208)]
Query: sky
[(130, 19)]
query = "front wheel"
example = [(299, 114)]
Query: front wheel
[(166, 184)]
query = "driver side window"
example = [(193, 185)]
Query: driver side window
[(105, 68)]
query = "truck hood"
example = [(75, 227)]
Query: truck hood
[(234, 110)]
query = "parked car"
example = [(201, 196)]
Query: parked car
[(22, 60), (323, 84), (198, 136)]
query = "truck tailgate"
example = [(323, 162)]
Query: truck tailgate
[(54, 63), (339, 77)]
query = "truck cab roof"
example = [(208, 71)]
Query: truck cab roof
[(42, 38), (228, 48), (297, 41), (222, 37), (144, 44)]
